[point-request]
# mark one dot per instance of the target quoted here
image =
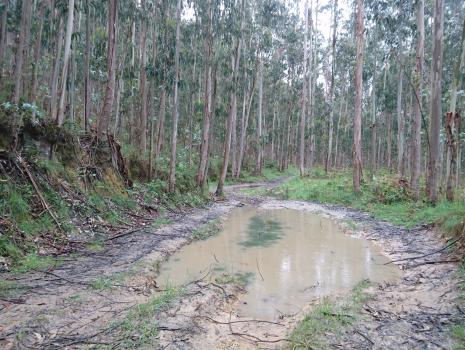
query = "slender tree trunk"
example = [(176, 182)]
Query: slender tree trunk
[(142, 132), (400, 125), (417, 106), (87, 100), (231, 117), (245, 123), (457, 82), (64, 72), (37, 47), (107, 108), (159, 128), (208, 103), (23, 39), (174, 135), (453, 119), (389, 140), (331, 93), (304, 98), (312, 87), (235, 60), (54, 78), (436, 95), (373, 125), (258, 165), (3, 35), (357, 148)]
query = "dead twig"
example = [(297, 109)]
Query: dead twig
[(425, 255), (39, 194)]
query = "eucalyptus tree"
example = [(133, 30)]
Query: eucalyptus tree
[(357, 147), (436, 108)]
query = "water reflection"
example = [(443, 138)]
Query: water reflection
[(307, 256)]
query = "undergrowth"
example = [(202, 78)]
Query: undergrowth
[(139, 328), (386, 198), (329, 317)]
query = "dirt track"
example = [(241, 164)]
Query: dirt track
[(63, 308)]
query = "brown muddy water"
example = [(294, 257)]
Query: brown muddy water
[(286, 258)]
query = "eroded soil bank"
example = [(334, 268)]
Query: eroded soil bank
[(95, 300)]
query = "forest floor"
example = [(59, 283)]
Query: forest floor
[(109, 298)]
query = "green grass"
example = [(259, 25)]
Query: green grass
[(384, 198), (108, 282), (207, 230), (32, 262), (161, 221), (329, 317), (139, 328)]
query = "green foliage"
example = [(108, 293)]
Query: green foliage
[(139, 327), (384, 198), (207, 230), (262, 232), (32, 262), (329, 317)]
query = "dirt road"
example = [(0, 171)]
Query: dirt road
[(93, 300)]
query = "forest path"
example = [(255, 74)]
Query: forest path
[(76, 304)]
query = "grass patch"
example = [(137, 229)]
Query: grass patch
[(32, 262), (207, 230), (139, 327), (161, 221), (240, 278), (108, 282), (385, 198), (262, 232), (329, 317)]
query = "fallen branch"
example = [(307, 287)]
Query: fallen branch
[(41, 197), (433, 262), (426, 255)]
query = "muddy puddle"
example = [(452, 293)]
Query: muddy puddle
[(285, 258)]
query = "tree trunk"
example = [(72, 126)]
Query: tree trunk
[(452, 119), (258, 165), (87, 100), (246, 107), (142, 132), (456, 83), (417, 106), (304, 98), (357, 148), (37, 47), (22, 43), (331, 93), (3, 35), (64, 72), (174, 135), (436, 95), (400, 125), (389, 140), (107, 108), (231, 117), (56, 68), (203, 159)]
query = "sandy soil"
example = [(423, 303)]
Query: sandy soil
[(63, 309)]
